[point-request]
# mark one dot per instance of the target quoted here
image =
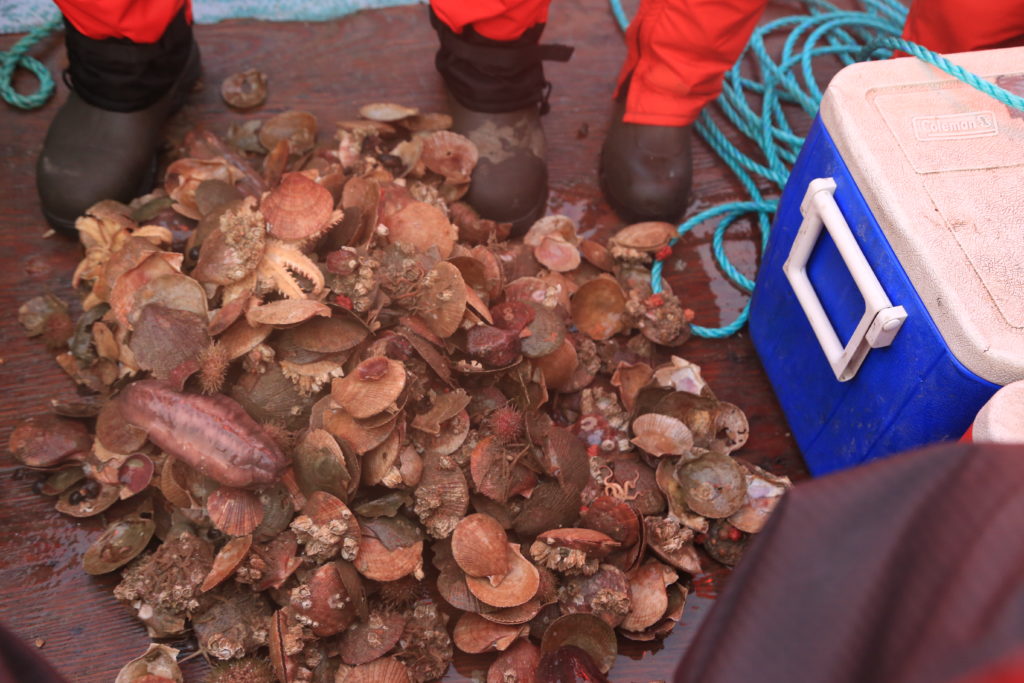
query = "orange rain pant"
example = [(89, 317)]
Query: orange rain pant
[(679, 50)]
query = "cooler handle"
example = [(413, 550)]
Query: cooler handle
[(881, 320)]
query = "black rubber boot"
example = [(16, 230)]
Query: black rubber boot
[(646, 171), (498, 94), (102, 143)]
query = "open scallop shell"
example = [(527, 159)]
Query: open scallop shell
[(518, 586), (158, 661), (661, 435), (585, 631), (375, 384), (298, 208), (479, 547), (118, 545), (236, 512), (599, 308)]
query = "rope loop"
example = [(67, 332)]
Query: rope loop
[(18, 56)]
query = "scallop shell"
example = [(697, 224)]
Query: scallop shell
[(596, 254), (585, 631), (320, 465), (451, 584), (379, 464), (386, 111), (649, 597), (450, 154), (245, 89), (556, 254), (442, 303), (479, 547), (520, 614), (113, 431), (298, 208), (518, 663), (648, 236), (118, 545), (518, 586), (605, 594), (286, 312), (323, 602), (712, 485), (422, 226), (474, 634), (599, 308), (629, 379), (559, 367), (353, 433), (442, 497), (376, 562), (369, 639), (227, 561), (764, 491), (375, 384), (297, 127), (673, 543), (234, 511), (88, 506), (135, 474), (383, 670), (158, 660), (325, 335), (613, 517), (548, 226), (661, 435)]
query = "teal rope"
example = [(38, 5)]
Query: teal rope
[(18, 56), (789, 79)]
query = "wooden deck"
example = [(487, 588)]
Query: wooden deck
[(330, 69)]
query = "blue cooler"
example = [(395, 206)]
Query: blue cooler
[(890, 301)]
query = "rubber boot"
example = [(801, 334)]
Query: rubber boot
[(498, 93), (510, 181), (646, 171), (102, 143)]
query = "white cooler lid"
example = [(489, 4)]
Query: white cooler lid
[(942, 167)]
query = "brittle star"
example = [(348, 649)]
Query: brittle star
[(620, 491)]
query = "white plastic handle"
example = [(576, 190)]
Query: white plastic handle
[(881, 320)]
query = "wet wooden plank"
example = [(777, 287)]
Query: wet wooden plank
[(328, 68)]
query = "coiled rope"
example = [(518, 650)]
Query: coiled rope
[(789, 79), (18, 56)]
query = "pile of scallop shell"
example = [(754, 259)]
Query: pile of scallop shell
[(343, 425)]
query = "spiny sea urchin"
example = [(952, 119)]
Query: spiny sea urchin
[(506, 424)]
